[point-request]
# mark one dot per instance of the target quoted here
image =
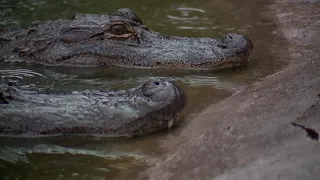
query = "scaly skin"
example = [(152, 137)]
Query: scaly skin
[(119, 39), (152, 107)]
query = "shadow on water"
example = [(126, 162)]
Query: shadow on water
[(91, 158)]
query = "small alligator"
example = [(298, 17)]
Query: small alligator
[(120, 39), (152, 107)]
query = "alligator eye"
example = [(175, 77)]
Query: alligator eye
[(156, 83), (118, 29)]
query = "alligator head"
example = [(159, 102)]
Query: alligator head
[(121, 39), (159, 104)]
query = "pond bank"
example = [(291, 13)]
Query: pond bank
[(249, 135)]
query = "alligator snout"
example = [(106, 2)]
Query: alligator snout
[(237, 41), (230, 51)]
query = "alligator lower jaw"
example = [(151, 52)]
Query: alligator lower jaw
[(224, 66), (171, 123)]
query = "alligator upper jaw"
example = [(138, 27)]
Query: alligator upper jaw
[(159, 51)]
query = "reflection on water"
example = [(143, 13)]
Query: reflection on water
[(71, 158), (55, 162)]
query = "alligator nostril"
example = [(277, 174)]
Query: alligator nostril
[(223, 46), (156, 83)]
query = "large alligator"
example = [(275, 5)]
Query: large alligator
[(119, 39), (152, 107)]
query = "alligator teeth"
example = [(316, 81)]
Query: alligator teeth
[(170, 123)]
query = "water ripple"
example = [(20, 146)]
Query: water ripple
[(216, 82), (188, 18), (186, 9), (187, 14), (54, 149), (182, 18), (190, 27), (11, 155), (19, 73)]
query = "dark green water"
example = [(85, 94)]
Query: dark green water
[(89, 158)]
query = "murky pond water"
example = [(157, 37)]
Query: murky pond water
[(92, 158)]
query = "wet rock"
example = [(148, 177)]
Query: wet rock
[(263, 143), (310, 121)]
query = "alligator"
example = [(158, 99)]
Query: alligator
[(148, 108), (120, 39)]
